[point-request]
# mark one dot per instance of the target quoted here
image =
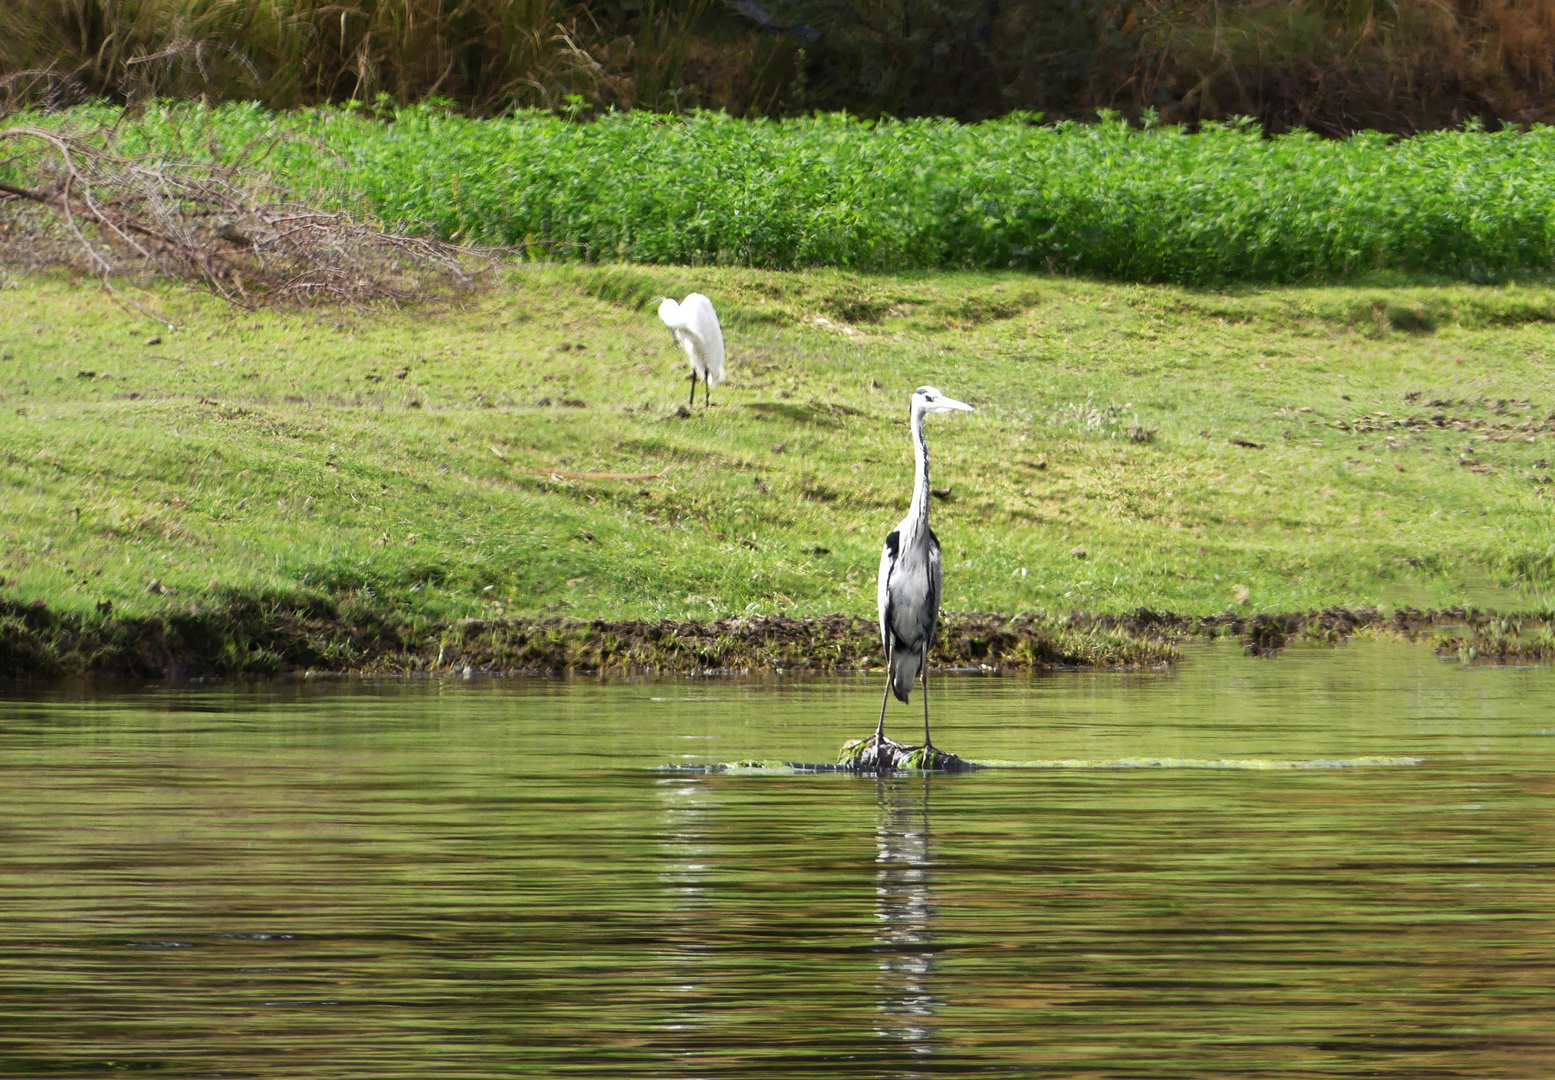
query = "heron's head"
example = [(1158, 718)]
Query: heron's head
[(928, 399)]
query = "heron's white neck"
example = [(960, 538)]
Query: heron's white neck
[(918, 513)]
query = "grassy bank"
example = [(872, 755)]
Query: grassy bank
[(1103, 200), (240, 635), (526, 457)]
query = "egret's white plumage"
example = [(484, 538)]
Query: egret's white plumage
[(910, 575), (695, 326)]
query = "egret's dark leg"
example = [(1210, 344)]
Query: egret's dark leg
[(928, 743), (707, 393), (693, 400), (880, 727)]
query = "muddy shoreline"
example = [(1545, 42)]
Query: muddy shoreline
[(266, 638)]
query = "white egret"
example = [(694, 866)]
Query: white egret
[(695, 326), (910, 576)]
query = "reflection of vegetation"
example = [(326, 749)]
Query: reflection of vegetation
[(400, 472)]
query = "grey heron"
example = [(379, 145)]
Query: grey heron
[(910, 576), (695, 326)]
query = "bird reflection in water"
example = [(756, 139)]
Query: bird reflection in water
[(688, 807), (904, 938)]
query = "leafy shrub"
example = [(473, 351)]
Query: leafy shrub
[(1159, 204)]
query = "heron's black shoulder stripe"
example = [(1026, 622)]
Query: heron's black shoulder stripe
[(893, 543)]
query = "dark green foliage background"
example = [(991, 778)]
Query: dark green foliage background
[(972, 60)]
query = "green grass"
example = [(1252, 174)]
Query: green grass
[(1100, 200), (407, 463)]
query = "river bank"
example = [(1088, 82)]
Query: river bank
[(528, 455), (251, 639)]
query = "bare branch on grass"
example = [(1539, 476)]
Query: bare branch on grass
[(228, 228)]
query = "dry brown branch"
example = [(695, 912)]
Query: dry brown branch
[(227, 228), (43, 88)]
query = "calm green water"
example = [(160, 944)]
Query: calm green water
[(1343, 869)]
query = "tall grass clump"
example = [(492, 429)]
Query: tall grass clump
[(1107, 200), (1396, 65), (1400, 66), (485, 56)]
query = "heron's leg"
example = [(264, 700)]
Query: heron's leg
[(884, 700), (693, 400), (928, 743)]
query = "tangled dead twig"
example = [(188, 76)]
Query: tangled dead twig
[(40, 88), (228, 228)]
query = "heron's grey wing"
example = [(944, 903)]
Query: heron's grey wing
[(936, 580), (702, 320), (883, 590)]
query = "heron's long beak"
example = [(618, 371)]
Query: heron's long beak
[(952, 405)]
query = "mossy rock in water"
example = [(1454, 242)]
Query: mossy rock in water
[(887, 755)]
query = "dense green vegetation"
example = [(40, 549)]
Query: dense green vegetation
[(1133, 446), (1106, 200)]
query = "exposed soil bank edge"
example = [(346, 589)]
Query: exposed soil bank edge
[(266, 638)]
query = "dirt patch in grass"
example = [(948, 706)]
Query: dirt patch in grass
[(265, 637)]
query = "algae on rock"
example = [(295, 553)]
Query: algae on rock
[(888, 755)]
